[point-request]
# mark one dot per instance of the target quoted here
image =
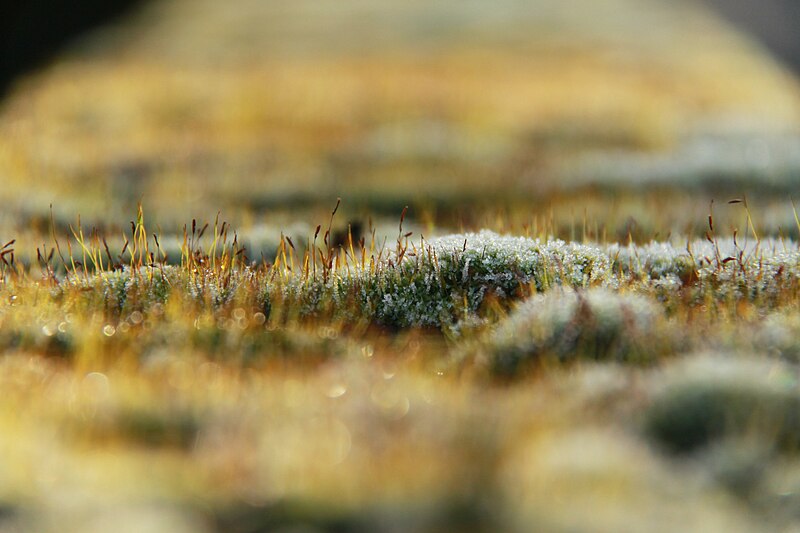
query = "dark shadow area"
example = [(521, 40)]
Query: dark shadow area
[(33, 31), (775, 22)]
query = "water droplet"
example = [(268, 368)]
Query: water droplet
[(136, 318)]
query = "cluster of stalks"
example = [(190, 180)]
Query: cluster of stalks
[(85, 254)]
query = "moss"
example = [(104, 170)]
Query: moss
[(691, 416), (566, 325)]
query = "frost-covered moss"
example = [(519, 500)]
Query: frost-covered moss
[(564, 325), (723, 270), (449, 278), (124, 290), (654, 260)]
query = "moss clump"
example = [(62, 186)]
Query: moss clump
[(691, 416), (565, 325), (444, 280)]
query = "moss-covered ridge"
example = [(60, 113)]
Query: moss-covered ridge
[(430, 283)]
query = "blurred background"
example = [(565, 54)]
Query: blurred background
[(625, 117)]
